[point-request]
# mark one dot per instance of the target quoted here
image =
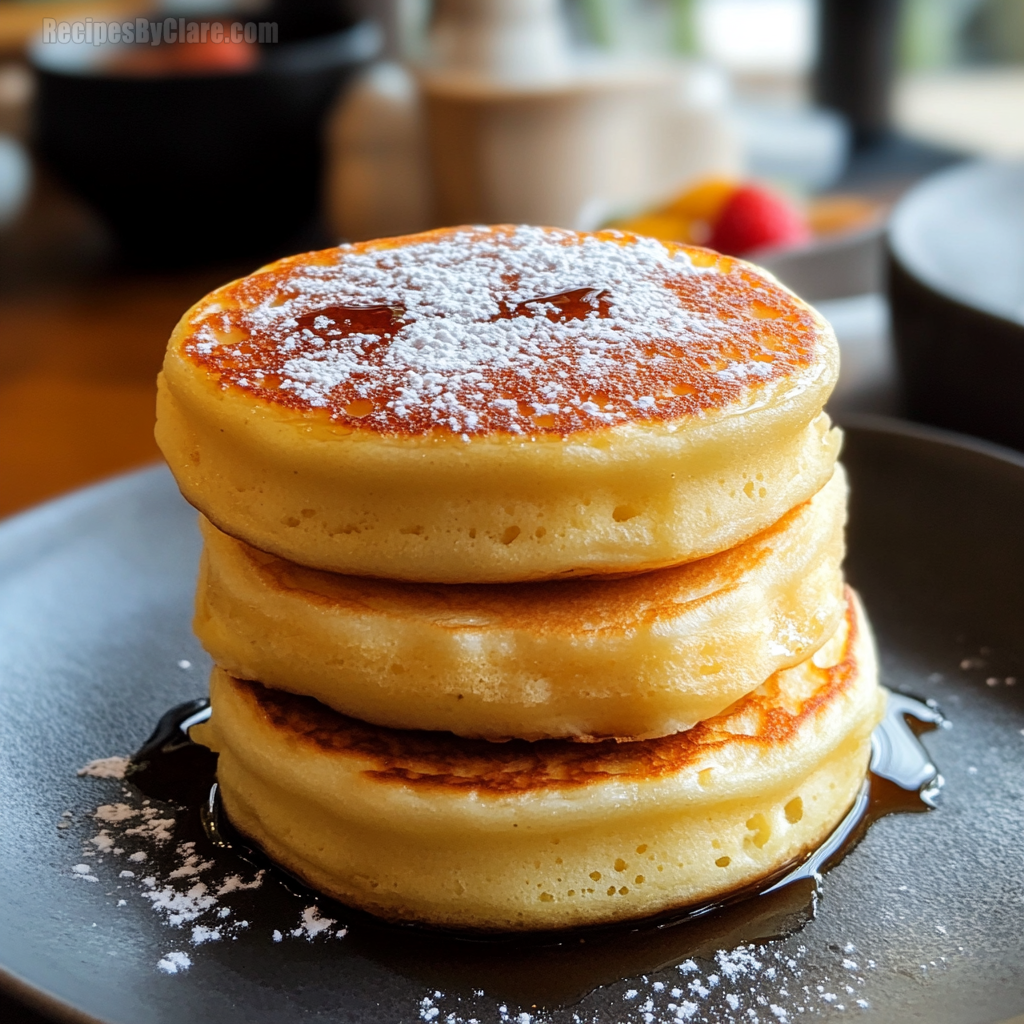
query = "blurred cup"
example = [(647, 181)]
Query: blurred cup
[(521, 129), (610, 140), (565, 156), (517, 132)]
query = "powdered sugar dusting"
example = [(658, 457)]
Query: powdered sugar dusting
[(174, 962), (313, 924), (517, 329), (753, 984), (106, 768), (172, 876)]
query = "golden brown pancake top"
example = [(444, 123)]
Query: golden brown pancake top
[(441, 761), (507, 329), (593, 605)]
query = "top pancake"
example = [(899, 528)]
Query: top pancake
[(443, 360), (503, 330)]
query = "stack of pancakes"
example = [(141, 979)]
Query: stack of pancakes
[(522, 573)]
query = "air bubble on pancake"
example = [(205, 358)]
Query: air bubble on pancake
[(289, 521), (308, 513), (642, 848), (758, 824), (411, 530), (546, 897), (540, 531), (794, 810), (510, 534), (748, 488), (704, 777), (359, 407), (623, 513), (723, 862), (621, 865), (233, 336), (595, 875), (347, 529)]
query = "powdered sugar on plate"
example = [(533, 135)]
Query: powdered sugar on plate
[(751, 984), (524, 330), (131, 845), (105, 768)]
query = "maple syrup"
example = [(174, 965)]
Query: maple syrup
[(341, 321)]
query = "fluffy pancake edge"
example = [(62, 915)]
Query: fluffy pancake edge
[(631, 658)]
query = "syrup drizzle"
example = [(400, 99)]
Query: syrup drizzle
[(340, 321), (559, 968), (576, 304)]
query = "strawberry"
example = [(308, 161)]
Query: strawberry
[(754, 218)]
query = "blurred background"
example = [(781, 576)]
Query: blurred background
[(137, 174)]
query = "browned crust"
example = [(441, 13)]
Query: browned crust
[(442, 761), (594, 605), (772, 327)]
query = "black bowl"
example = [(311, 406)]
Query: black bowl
[(196, 168), (956, 284)]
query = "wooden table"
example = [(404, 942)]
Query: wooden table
[(78, 372)]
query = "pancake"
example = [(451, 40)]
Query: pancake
[(519, 836), (487, 405), (631, 658)]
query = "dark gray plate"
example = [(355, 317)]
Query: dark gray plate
[(923, 921)]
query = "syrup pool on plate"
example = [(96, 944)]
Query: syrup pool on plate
[(556, 968)]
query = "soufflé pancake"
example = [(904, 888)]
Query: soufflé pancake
[(629, 658), (522, 573), (429, 827), (499, 404)]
